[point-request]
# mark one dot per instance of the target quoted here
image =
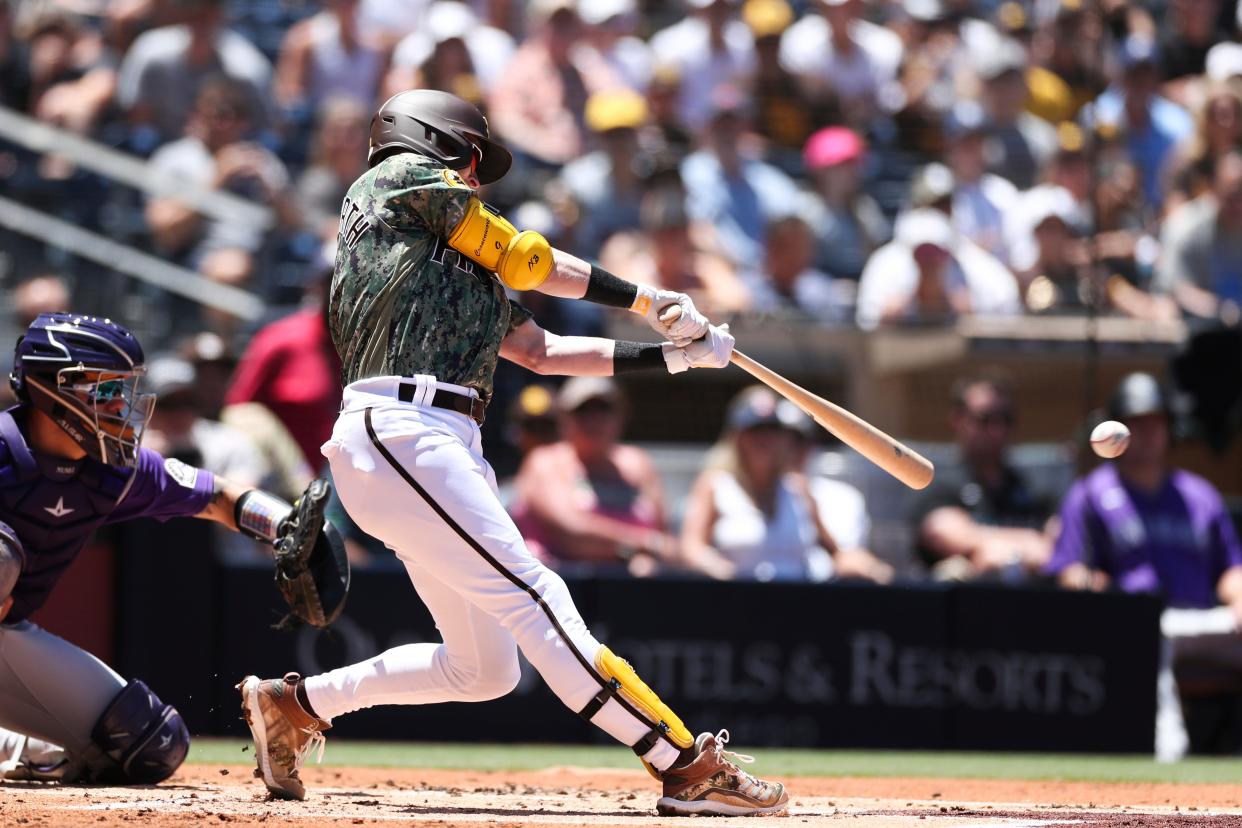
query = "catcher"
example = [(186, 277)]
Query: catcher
[(70, 462)]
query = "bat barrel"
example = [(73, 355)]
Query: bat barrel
[(899, 460)]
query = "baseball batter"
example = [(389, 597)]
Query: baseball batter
[(70, 462), (419, 315)]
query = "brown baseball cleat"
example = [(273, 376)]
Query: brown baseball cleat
[(284, 733), (712, 784)]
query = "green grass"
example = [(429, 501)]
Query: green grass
[(773, 761)]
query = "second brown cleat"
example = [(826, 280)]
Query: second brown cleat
[(712, 784), (284, 733)]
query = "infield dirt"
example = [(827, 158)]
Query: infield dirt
[(219, 795)]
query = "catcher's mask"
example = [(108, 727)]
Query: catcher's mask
[(440, 126), (83, 373)]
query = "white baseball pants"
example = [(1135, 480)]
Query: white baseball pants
[(414, 477)]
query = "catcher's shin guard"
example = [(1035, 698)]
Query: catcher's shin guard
[(144, 737), (624, 682)]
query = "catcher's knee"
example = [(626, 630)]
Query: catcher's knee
[(624, 685), (144, 738)]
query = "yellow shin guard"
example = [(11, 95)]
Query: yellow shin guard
[(624, 682)]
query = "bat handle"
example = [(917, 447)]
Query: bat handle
[(673, 312)]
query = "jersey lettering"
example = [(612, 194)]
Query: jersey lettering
[(353, 225), (446, 256)]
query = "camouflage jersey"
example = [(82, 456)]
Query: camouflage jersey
[(403, 302)]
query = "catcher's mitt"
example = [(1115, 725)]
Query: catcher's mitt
[(312, 571)]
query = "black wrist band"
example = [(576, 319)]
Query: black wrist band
[(605, 289), (636, 356)]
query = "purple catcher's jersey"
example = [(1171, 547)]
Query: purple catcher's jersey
[(1176, 541), (54, 505)]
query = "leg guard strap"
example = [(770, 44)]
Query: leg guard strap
[(645, 744), (600, 699)]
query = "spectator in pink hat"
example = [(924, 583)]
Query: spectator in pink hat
[(850, 225)]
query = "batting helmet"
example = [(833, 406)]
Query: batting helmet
[(440, 126), (83, 372)]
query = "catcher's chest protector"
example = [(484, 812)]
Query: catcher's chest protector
[(53, 506)]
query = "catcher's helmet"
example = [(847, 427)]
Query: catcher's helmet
[(83, 371), (440, 126)]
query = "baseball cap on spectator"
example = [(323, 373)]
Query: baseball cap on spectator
[(1048, 201), (533, 409), (924, 226), (1138, 51), (924, 11), (1012, 18), (445, 20), (831, 146), (597, 12), (619, 108), (539, 12), (767, 18), (35, 19), (759, 406), (1009, 56), (534, 401), (449, 20), (932, 184), (169, 376), (578, 391), (1070, 139), (1224, 61), (964, 118)]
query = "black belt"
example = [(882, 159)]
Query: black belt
[(472, 407)]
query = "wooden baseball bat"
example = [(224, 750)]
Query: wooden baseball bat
[(899, 460)]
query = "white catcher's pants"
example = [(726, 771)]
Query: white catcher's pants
[(440, 513)]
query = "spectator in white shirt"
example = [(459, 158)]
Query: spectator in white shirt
[(610, 33), (930, 274), (980, 198), (164, 69), (711, 47), (451, 51), (788, 281), (836, 52), (727, 187)]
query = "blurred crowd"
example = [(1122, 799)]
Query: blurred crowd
[(851, 162)]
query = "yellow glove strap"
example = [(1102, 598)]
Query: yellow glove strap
[(481, 235)]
